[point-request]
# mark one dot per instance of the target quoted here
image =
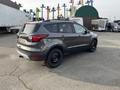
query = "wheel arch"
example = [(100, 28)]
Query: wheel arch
[(60, 47), (94, 39)]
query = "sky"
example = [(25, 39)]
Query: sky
[(106, 8)]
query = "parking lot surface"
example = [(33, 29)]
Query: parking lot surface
[(81, 71)]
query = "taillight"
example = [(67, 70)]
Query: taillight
[(37, 38)]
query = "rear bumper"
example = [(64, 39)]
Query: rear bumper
[(34, 56), (23, 55)]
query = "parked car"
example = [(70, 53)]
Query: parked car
[(50, 40), (110, 26), (116, 26)]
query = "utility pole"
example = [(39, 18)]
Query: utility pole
[(32, 14), (91, 2), (71, 7), (58, 9), (72, 2), (31, 11), (64, 6), (53, 11), (37, 14), (67, 10), (81, 2), (42, 7), (48, 12), (88, 2)]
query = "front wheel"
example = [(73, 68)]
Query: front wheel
[(55, 58), (93, 46)]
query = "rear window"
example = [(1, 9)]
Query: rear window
[(31, 28)]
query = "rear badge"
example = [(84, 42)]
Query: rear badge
[(22, 40)]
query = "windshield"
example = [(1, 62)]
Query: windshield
[(31, 28)]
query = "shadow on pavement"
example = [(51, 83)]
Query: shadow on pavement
[(5, 34), (101, 67)]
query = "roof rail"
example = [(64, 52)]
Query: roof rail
[(59, 18), (64, 19)]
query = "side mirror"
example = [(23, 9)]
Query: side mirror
[(86, 32)]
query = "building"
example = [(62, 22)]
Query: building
[(11, 4), (87, 13)]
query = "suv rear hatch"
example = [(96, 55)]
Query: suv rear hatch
[(29, 39), (28, 30)]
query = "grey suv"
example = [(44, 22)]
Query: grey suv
[(50, 40)]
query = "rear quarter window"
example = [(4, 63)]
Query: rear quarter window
[(31, 28)]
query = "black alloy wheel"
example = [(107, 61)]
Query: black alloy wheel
[(55, 58)]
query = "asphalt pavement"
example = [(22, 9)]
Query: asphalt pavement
[(81, 71)]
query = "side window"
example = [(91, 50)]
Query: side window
[(65, 28), (52, 28), (79, 28)]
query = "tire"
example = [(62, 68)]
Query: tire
[(54, 59), (93, 46)]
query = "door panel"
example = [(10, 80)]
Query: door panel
[(70, 38), (84, 38)]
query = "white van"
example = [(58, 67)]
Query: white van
[(77, 19), (99, 24)]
